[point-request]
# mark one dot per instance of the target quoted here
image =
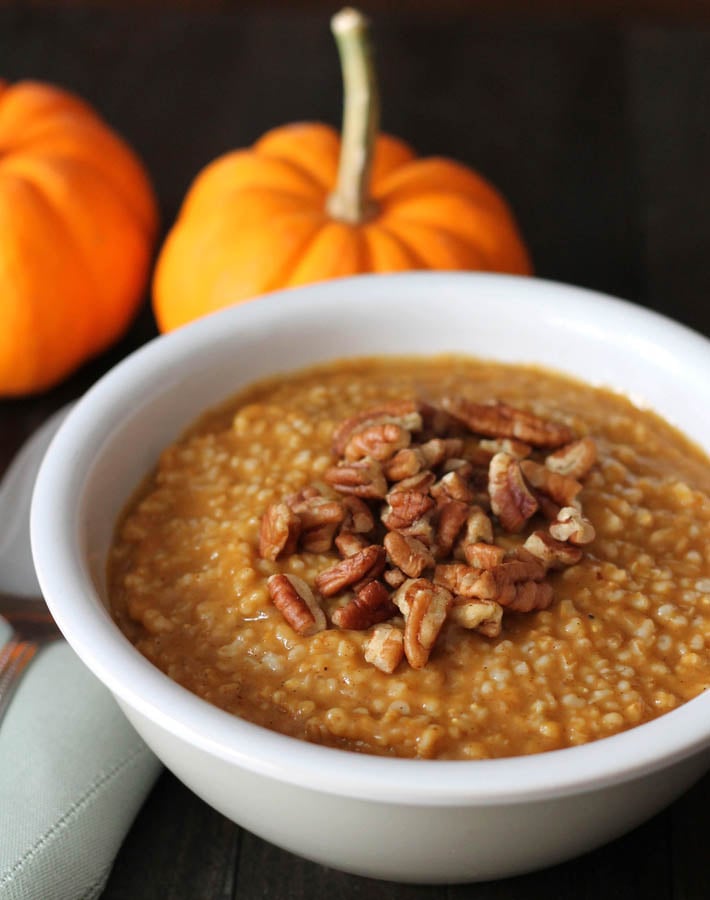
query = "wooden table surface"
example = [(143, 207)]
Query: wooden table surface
[(599, 137)]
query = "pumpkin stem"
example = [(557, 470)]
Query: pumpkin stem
[(350, 201)]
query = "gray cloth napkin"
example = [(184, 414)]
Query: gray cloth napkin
[(73, 772)]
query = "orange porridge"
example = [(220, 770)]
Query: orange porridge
[(433, 557)]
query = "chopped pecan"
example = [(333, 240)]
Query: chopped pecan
[(498, 420), (385, 648), (463, 580), (379, 442), (318, 539), (530, 595), (482, 615), (363, 478), (421, 529), (511, 498), (404, 508), (314, 512), (295, 601), (424, 606), (421, 482), (516, 449), (405, 463), (436, 422), (306, 493), (349, 543), (279, 531), (370, 605), (451, 517), (552, 553), (453, 486), (404, 413), (478, 526), (483, 556), (358, 515), (366, 564), (546, 505), (408, 554), (561, 488), (394, 577), (570, 525), (575, 459), (438, 450)]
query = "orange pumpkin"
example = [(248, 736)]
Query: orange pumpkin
[(78, 221), (302, 206)]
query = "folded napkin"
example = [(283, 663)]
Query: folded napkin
[(73, 772)]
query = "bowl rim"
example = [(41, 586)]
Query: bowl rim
[(140, 686)]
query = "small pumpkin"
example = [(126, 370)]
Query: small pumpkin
[(78, 221), (302, 206)]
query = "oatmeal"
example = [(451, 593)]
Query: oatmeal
[(232, 569)]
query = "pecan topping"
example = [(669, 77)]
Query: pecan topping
[(314, 512), (295, 601), (483, 556), (552, 553), (575, 459), (562, 489), (453, 486), (421, 482), (370, 605), (368, 563), (319, 539), (404, 508), (438, 450), (378, 442), (511, 498), (385, 648), (349, 543), (478, 527), (405, 463), (498, 420), (516, 449), (363, 478), (482, 615), (358, 516), (395, 578), (530, 595), (451, 519), (570, 525), (400, 412), (427, 606), (408, 554), (462, 580), (279, 531)]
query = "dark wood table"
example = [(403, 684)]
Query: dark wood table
[(599, 136)]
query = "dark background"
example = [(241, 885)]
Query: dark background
[(591, 117)]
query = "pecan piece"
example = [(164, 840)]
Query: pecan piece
[(297, 604), (366, 564), (408, 554), (450, 520), (379, 442), (570, 525), (358, 515), (349, 543), (404, 413), (464, 581), (424, 606), (482, 615), (454, 486), (279, 531), (575, 459), (385, 648), (552, 554), (516, 449), (561, 488), (483, 556), (370, 605), (363, 478), (530, 595), (404, 508), (318, 539), (421, 482), (478, 527), (404, 464), (511, 498), (421, 529), (438, 450), (394, 577), (498, 420)]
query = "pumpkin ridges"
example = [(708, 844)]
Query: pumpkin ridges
[(35, 298), (494, 236), (311, 146), (437, 249), (391, 153), (337, 250), (246, 170), (388, 252), (117, 267)]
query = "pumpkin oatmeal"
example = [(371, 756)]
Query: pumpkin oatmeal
[(442, 558)]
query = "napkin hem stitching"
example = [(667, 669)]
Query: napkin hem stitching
[(75, 808)]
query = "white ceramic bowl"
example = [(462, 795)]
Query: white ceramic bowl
[(408, 820)]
